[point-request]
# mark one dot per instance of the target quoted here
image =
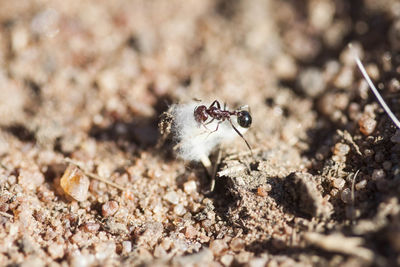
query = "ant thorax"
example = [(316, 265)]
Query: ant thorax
[(198, 133)]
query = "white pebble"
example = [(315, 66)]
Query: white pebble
[(126, 247), (361, 185), (179, 210), (378, 174), (339, 183), (172, 197), (190, 187), (346, 195)]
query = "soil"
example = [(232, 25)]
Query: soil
[(86, 178)]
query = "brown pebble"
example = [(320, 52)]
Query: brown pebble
[(203, 238), (218, 246), (109, 208), (334, 192), (367, 124), (75, 183), (4, 207), (190, 232), (237, 244), (262, 192), (91, 227), (129, 195), (56, 250), (339, 183), (361, 185), (341, 149), (78, 238)]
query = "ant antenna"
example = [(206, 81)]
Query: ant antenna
[(241, 135)]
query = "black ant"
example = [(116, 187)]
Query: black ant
[(201, 114)]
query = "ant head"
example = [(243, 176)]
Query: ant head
[(244, 119), (200, 114)]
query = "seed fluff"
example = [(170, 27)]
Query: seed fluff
[(197, 140)]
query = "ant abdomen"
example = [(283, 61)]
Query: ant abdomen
[(244, 119)]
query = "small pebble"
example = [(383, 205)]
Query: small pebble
[(166, 243), (373, 71), (172, 197), (159, 252), (75, 183), (361, 185), (190, 232), (346, 195), (237, 244), (368, 152), (285, 67), (262, 191), (56, 250), (312, 82), (367, 124), (321, 14), (78, 238), (334, 192), (109, 208), (339, 183), (354, 111), (218, 246), (126, 247), (227, 259), (245, 256), (4, 207), (378, 174), (257, 262), (91, 227), (190, 187), (345, 78), (341, 149), (179, 210), (394, 85), (30, 179)]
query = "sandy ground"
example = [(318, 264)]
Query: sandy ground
[(83, 84)]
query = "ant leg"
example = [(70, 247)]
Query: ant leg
[(216, 129), (241, 135), (204, 124), (216, 102), (224, 106), (209, 121)]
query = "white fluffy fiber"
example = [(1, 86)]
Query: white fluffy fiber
[(194, 140)]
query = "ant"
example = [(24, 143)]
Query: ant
[(202, 113)]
